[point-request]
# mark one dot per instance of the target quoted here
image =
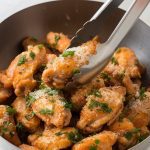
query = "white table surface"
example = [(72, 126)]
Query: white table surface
[(9, 7)]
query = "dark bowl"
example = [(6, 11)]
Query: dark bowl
[(67, 16)]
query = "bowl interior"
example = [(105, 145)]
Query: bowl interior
[(66, 16)]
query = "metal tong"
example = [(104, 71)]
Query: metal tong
[(106, 49)]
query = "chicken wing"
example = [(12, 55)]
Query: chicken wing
[(63, 67), (50, 107), (57, 139), (27, 65), (124, 66), (58, 41), (101, 108), (129, 135), (139, 109), (25, 115), (7, 125), (5, 87), (102, 141)]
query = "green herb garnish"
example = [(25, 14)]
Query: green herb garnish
[(103, 106), (32, 55), (105, 76), (10, 110), (67, 104), (74, 137), (96, 92), (121, 75), (142, 93), (46, 111), (114, 61), (75, 71), (93, 147), (30, 115), (129, 134), (97, 141), (68, 53), (22, 60), (59, 133), (30, 99), (142, 137)]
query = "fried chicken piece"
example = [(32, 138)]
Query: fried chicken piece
[(27, 147), (128, 134), (5, 87), (7, 125), (51, 107), (57, 139), (102, 141), (29, 62), (124, 66), (78, 97), (25, 115), (63, 67), (101, 108), (59, 41), (139, 109)]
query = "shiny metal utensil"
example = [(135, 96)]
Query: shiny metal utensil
[(106, 50)]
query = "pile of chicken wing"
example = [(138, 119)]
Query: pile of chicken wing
[(36, 113)]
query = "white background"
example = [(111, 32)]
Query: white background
[(9, 7)]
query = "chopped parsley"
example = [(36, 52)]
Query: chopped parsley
[(51, 91), (121, 117), (10, 111), (96, 93), (95, 145), (22, 60), (30, 99), (68, 53), (114, 61), (74, 137), (46, 111), (142, 93), (59, 133), (4, 129), (75, 71), (129, 134), (103, 106), (30, 115), (67, 104), (105, 76), (32, 55)]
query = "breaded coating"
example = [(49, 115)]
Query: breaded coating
[(124, 66), (63, 67), (27, 147), (58, 41), (57, 139), (25, 115), (78, 97), (140, 109), (128, 134), (5, 87), (101, 108), (7, 125), (51, 107), (28, 63), (101, 141)]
